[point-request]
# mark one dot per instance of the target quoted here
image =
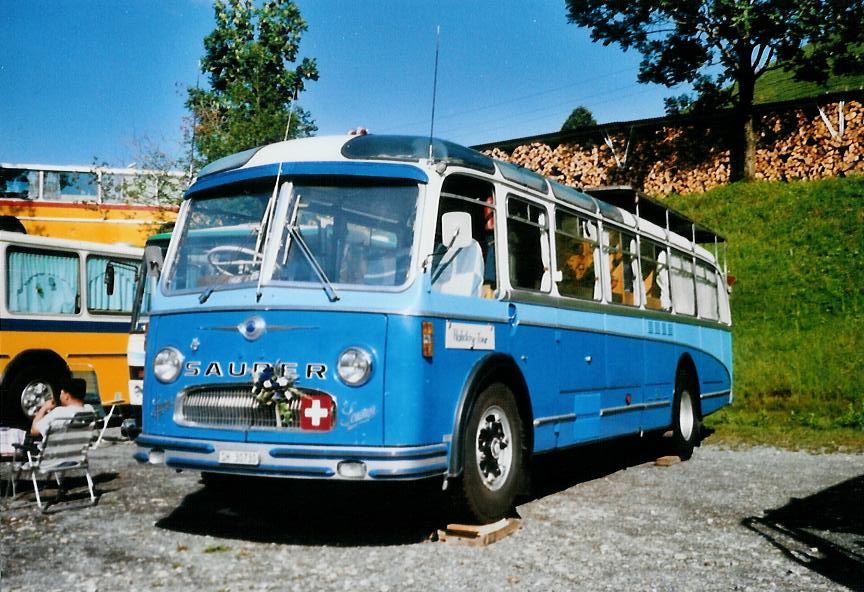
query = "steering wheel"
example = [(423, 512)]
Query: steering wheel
[(226, 260)]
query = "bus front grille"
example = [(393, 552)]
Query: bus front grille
[(229, 406)]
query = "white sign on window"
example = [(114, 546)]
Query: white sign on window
[(469, 336)]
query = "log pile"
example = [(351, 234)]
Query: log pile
[(796, 144)]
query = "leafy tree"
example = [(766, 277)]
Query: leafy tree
[(580, 117), (250, 62), (724, 46)]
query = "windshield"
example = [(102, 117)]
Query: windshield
[(358, 234), (218, 240)]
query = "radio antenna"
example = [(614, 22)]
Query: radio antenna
[(434, 88)]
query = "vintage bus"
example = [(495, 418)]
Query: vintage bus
[(58, 314), (94, 204), (390, 307)]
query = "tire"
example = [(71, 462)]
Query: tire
[(493, 452), (686, 423), (27, 390)]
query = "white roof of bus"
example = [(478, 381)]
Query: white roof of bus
[(318, 148), (25, 240)]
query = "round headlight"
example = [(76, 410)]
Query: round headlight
[(354, 366), (167, 364)]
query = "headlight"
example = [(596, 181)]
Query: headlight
[(167, 364), (354, 366)]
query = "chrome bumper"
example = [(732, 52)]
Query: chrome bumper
[(279, 460)]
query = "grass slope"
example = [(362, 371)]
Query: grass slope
[(778, 85), (797, 251)]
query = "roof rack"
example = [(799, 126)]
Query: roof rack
[(647, 208)]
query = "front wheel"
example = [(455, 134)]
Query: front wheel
[(494, 456), (686, 425)]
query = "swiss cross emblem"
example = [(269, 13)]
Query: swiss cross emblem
[(317, 413)]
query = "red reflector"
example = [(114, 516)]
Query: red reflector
[(317, 413), (731, 279), (139, 373), (428, 341)]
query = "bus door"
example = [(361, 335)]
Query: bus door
[(581, 344), (622, 401)]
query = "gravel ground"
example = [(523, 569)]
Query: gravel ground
[(601, 518)]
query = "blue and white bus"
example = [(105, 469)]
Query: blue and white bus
[(389, 307)]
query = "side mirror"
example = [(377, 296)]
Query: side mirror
[(456, 230), (153, 260), (109, 279)]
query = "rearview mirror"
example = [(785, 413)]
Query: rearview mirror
[(456, 230), (109, 279), (153, 260)]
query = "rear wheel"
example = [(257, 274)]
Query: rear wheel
[(30, 388), (686, 423), (494, 456)]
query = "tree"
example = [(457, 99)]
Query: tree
[(252, 91), (724, 46), (580, 117)]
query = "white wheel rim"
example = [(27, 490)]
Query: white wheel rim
[(493, 445), (34, 394), (686, 419)]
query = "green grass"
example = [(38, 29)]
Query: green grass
[(778, 85), (797, 251)]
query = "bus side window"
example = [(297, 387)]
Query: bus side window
[(655, 276), (620, 249), (706, 292), (683, 290), (476, 197), (527, 242), (98, 300), (40, 282), (576, 254)]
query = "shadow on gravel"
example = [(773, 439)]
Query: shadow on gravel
[(359, 514), (823, 532), (557, 471), (301, 512)]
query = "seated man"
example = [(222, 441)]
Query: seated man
[(72, 393)]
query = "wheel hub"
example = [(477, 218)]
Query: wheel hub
[(494, 455), (33, 395)]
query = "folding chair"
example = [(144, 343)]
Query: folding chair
[(64, 448)]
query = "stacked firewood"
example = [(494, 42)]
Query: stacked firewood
[(797, 144)]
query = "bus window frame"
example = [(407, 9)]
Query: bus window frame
[(80, 288), (548, 265)]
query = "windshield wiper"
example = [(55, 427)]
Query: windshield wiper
[(294, 233)]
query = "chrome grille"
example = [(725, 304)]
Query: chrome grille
[(229, 406)]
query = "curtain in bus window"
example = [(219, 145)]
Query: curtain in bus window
[(576, 254), (683, 292), (98, 299), (526, 233), (620, 251), (706, 292), (723, 299), (42, 283)]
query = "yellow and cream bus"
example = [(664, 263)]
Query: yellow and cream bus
[(64, 307), (97, 204)]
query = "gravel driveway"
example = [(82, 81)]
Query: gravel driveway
[(752, 519)]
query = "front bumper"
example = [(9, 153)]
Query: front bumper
[(297, 461)]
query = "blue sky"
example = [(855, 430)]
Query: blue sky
[(93, 80)]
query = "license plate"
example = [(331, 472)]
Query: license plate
[(238, 457)]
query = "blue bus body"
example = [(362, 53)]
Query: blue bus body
[(581, 371)]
